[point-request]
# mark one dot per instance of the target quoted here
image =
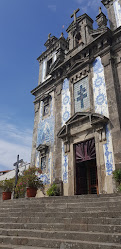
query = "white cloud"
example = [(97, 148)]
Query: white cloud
[(52, 7), (11, 132), (14, 140), (9, 152), (85, 5)]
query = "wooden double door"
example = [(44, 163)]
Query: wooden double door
[(86, 177)]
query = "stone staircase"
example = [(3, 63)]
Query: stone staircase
[(78, 222)]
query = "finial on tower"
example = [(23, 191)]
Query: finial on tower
[(49, 35), (101, 19), (74, 14), (62, 35), (100, 10)]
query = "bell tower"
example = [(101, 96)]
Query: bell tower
[(79, 30), (114, 12)]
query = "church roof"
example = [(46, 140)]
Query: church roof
[(80, 18)]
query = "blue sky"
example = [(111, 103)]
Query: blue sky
[(24, 28)]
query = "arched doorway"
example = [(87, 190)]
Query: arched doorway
[(86, 168)]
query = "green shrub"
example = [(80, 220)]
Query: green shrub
[(119, 188), (31, 178), (117, 175), (7, 185), (20, 189), (53, 190)]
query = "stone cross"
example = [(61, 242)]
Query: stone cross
[(82, 95), (74, 14), (17, 170)]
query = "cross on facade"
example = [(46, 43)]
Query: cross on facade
[(17, 165), (82, 95), (74, 14)]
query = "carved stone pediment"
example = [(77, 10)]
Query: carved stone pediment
[(55, 65), (76, 64), (46, 98), (96, 33), (42, 148), (81, 121)]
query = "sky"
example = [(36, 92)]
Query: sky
[(24, 28)]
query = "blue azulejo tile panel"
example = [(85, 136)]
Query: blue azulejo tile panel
[(108, 152), (46, 178), (66, 112), (64, 165), (46, 136), (101, 107), (117, 11), (81, 95), (46, 127), (65, 101), (99, 88)]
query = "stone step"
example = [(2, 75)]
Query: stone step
[(62, 199), (64, 227), (56, 243), (62, 205), (19, 247), (79, 222), (68, 235), (82, 220), (95, 214), (62, 209)]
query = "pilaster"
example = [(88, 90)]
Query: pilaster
[(113, 107)]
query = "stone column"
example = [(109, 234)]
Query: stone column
[(58, 141), (113, 107), (111, 14), (34, 141)]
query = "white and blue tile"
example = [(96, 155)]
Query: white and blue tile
[(66, 113), (101, 107), (46, 136), (46, 178), (117, 11)]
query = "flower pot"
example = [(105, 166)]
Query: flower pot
[(31, 192), (6, 196)]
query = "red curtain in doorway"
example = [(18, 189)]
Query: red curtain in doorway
[(85, 151)]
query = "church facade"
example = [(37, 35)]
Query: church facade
[(77, 125)]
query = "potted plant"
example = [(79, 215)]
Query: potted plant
[(32, 181), (7, 185)]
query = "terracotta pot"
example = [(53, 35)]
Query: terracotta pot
[(6, 195), (31, 192)]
